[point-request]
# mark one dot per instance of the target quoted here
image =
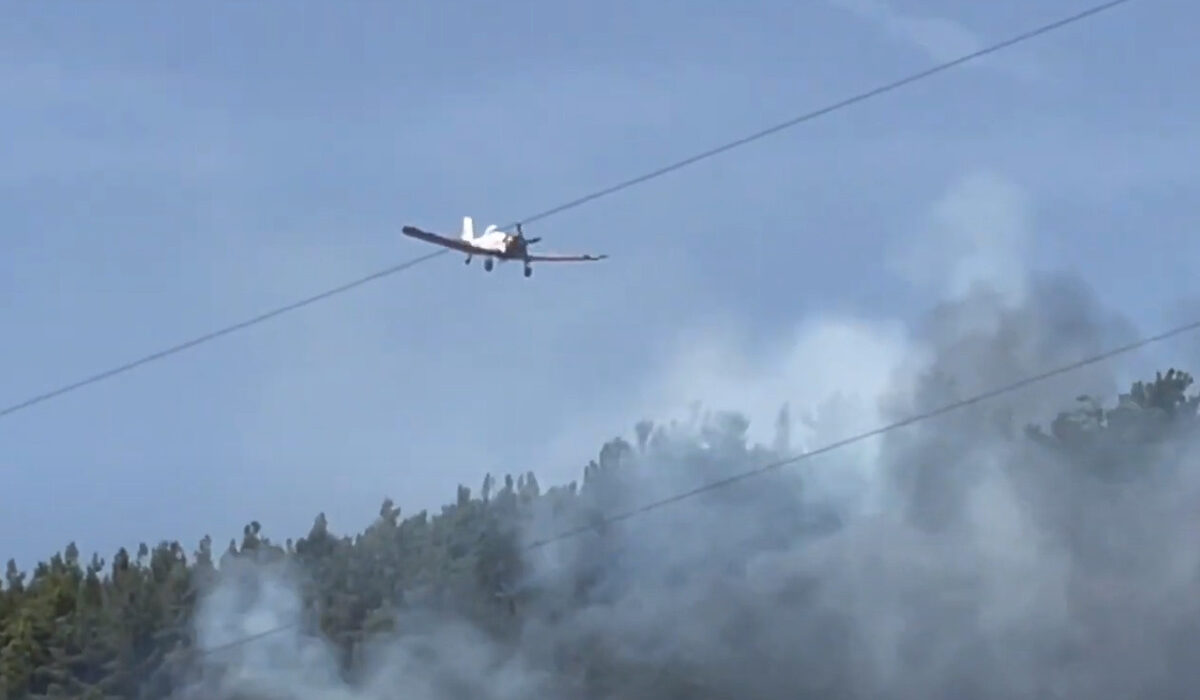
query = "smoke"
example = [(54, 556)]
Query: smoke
[(952, 558), (434, 657), (252, 601)]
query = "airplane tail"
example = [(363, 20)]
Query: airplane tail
[(468, 229)]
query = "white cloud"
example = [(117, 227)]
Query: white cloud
[(940, 38)]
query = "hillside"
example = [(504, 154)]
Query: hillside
[(1015, 562)]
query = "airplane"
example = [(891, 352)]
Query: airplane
[(494, 245)]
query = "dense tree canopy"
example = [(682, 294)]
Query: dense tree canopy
[(133, 625)]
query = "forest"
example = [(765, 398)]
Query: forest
[(1001, 559)]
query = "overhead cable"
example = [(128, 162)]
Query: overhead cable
[(778, 464), (874, 92)]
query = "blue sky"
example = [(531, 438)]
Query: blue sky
[(170, 169)]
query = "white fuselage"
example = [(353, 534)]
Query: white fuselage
[(496, 245), (493, 238)]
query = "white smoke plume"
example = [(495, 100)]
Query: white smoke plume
[(955, 558)]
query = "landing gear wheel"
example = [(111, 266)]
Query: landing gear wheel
[(488, 263), (528, 271)]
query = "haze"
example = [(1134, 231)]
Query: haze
[(169, 171)]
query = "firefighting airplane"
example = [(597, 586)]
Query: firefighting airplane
[(494, 245)]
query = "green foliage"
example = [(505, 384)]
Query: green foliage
[(1151, 416), (84, 629)]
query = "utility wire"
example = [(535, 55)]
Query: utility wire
[(215, 334), (862, 96), (1094, 10), (712, 486), (916, 418), (772, 466)]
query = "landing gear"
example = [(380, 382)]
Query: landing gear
[(528, 271), (467, 261), (488, 264)]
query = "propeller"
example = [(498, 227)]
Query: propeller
[(528, 241)]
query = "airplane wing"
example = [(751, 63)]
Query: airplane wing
[(453, 243), (565, 258)]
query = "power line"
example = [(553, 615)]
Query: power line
[(616, 188), (215, 334), (772, 466), (862, 96), (916, 418), (1025, 36)]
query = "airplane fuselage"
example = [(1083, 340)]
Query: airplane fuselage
[(503, 244), (493, 245)]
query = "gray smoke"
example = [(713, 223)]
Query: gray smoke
[(436, 656), (996, 568), (954, 558)]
